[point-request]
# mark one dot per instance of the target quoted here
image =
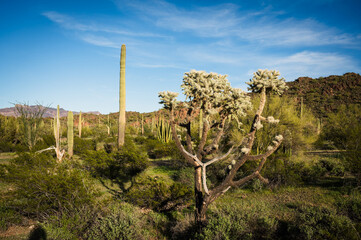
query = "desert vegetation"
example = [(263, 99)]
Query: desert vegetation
[(223, 164)]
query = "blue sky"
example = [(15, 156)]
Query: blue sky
[(67, 52)]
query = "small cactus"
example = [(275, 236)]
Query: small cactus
[(164, 133)]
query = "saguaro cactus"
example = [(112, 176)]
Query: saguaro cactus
[(80, 123), (121, 124), (59, 154), (70, 133)]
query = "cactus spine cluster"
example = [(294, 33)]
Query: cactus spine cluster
[(164, 133), (80, 123), (121, 124), (70, 134)]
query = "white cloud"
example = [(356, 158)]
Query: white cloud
[(71, 23), (99, 41), (228, 20), (312, 64)]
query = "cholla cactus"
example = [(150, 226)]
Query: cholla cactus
[(210, 92), (168, 99), (212, 95), (267, 79)]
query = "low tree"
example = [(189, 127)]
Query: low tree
[(212, 94), (30, 118)]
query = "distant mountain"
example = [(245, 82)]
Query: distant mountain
[(326, 94), (50, 112)]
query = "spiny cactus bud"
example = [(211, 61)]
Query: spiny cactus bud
[(245, 150), (279, 138), (269, 148), (271, 119), (258, 125)]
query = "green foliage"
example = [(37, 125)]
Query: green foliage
[(157, 149), (42, 186), (350, 205), (8, 216), (124, 221), (83, 145), (343, 129), (9, 134), (230, 222), (299, 133), (72, 223), (321, 223), (120, 166), (156, 193), (30, 119)]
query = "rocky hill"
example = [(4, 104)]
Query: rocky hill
[(50, 112), (326, 94)]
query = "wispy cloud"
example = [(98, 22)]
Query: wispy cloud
[(99, 41), (71, 23), (229, 20), (313, 64), (145, 65)]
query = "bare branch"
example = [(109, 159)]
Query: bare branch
[(219, 158), (265, 155)]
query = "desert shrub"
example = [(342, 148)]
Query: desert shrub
[(233, 222), (332, 166), (352, 161), (350, 205), (81, 145), (313, 222), (121, 221), (319, 168), (155, 148), (119, 166), (43, 186), (155, 193), (148, 192), (8, 216), (70, 224)]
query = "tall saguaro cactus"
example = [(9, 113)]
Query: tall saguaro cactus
[(59, 154), (121, 124), (70, 133), (80, 123)]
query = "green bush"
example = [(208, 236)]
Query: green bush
[(43, 186), (71, 224), (81, 145), (314, 222), (156, 149), (156, 194), (350, 205), (120, 166), (122, 222), (8, 216), (233, 222)]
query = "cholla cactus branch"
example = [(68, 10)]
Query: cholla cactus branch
[(168, 99), (267, 79)]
